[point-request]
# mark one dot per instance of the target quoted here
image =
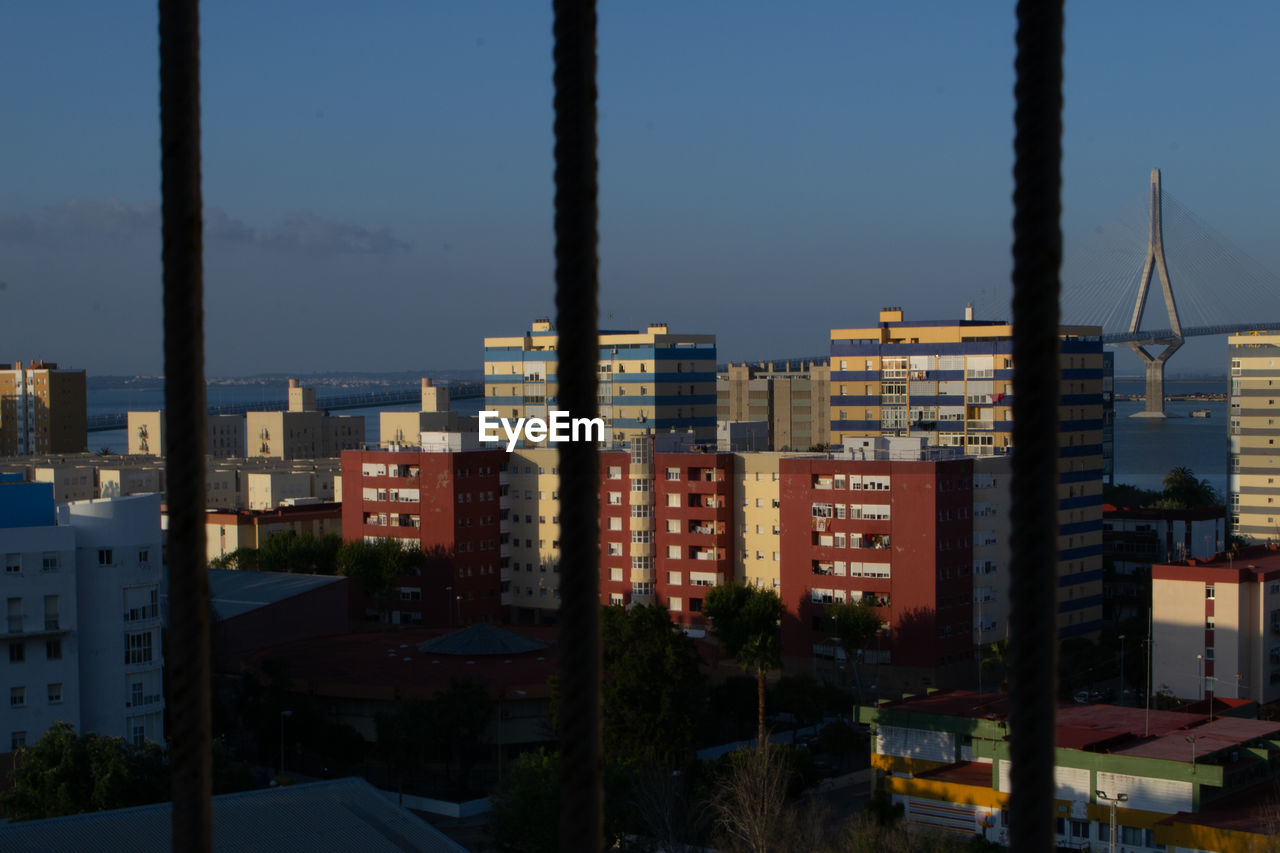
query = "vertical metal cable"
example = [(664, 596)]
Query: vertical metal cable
[(576, 211), (187, 652), (1037, 257)]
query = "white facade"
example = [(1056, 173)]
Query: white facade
[(118, 570), (82, 632), (40, 659)]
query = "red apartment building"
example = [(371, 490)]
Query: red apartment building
[(898, 532), (666, 528), (449, 500)]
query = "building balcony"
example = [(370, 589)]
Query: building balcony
[(504, 526), (35, 631)]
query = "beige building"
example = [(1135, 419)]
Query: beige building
[(794, 402), (121, 482), (87, 476), (1253, 470), (71, 482), (303, 432), (42, 410), (229, 531), (650, 382), (402, 429), (225, 435), (1216, 626), (531, 523), (756, 519)]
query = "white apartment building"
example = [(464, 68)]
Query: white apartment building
[(81, 585)]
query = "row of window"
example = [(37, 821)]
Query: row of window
[(18, 651), (18, 695)]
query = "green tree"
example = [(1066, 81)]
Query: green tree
[(1184, 490), (63, 774), (525, 812), (376, 566), (745, 620), (653, 689), (853, 625), (997, 661)]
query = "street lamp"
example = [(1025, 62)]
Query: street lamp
[(1112, 801), (283, 714), (1122, 702), (1191, 739), (1200, 664)]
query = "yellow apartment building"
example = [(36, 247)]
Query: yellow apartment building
[(1253, 472), (42, 409), (650, 382), (951, 382), (756, 520), (531, 523)]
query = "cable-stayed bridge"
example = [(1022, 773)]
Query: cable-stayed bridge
[(1107, 282)]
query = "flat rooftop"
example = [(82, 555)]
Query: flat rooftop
[(234, 592)]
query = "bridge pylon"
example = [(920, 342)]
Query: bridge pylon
[(1155, 263)]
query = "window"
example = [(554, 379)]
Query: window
[(49, 563), (53, 650), (51, 612), (17, 652), (135, 694), (55, 694), (12, 564), (144, 558), (139, 735), (17, 697), (105, 557), (1209, 592), (17, 741), (137, 648)]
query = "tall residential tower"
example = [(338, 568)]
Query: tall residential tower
[(951, 382)]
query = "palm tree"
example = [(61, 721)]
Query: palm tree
[(745, 620)]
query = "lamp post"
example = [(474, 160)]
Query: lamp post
[(1200, 667), (1113, 802), (283, 714), (1122, 702), (449, 602)]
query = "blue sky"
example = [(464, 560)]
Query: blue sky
[(378, 176)]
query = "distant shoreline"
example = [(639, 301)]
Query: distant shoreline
[(1206, 398)]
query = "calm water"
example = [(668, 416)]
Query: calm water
[(1145, 449)]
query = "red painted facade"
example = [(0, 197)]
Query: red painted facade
[(666, 529), (836, 545), (456, 513)]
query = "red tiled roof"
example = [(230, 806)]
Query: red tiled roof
[(974, 773)]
